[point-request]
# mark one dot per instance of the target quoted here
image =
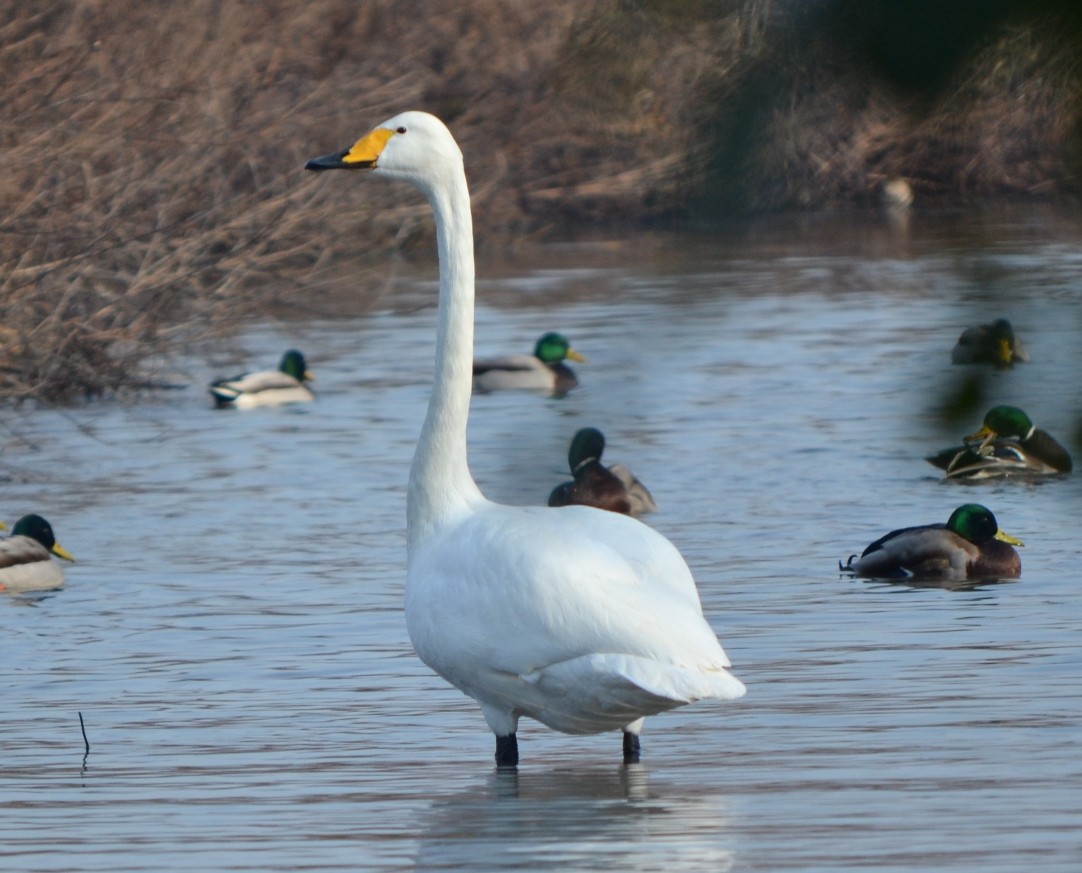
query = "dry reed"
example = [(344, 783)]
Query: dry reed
[(152, 153), (152, 156)]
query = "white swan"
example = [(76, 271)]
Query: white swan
[(582, 619)]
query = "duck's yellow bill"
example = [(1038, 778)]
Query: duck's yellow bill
[(572, 355), (1007, 538), (61, 552)]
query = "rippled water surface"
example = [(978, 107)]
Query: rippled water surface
[(232, 631)]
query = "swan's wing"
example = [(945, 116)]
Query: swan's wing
[(603, 690), (519, 589), (582, 619)]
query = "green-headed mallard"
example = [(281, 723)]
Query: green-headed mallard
[(613, 488), (969, 546), (584, 620), (25, 557), (1008, 444), (994, 343), (544, 370), (266, 387)]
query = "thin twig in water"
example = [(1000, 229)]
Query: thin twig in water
[(86, 742)]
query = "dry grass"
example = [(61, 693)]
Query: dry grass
[(818, 128), (152, 159), (151, 153)]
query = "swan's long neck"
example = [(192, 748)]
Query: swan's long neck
[(441, 488)]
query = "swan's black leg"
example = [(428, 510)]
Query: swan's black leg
[(507, 751), (632, 748)]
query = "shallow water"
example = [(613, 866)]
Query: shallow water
[(232, 631)]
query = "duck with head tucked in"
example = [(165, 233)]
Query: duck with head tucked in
[(969, 546), (1008, 444), (26, 562), (994, 343), (584, 620), (285, 385), (544, 370), (613, 488)]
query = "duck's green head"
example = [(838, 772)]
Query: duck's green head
[(1004, 421), (976, 523), (37, 528), (553, 348), (587, 445), (293, 364)]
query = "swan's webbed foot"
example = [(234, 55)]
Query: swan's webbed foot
[(632, 748), (507, 751)]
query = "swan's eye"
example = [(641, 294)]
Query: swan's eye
[(401, 130)]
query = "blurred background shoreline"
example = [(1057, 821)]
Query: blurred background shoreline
[(152, 153)]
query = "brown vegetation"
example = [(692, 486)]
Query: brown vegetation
[(152, 158), (963, 100), (152, 153)]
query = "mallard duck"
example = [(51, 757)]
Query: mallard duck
[(1007, 444), (544, 370), (969, 546), (266, 387), (25, 562), (613, 488), (582, 619), (994, 343)]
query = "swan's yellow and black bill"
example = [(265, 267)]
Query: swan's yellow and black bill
[(362, 155), (330, 162)]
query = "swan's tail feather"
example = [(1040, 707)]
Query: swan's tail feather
[(605, 691)]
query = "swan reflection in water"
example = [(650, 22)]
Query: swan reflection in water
[(602, 819)]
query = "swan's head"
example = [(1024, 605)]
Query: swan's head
[(413, 146)]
